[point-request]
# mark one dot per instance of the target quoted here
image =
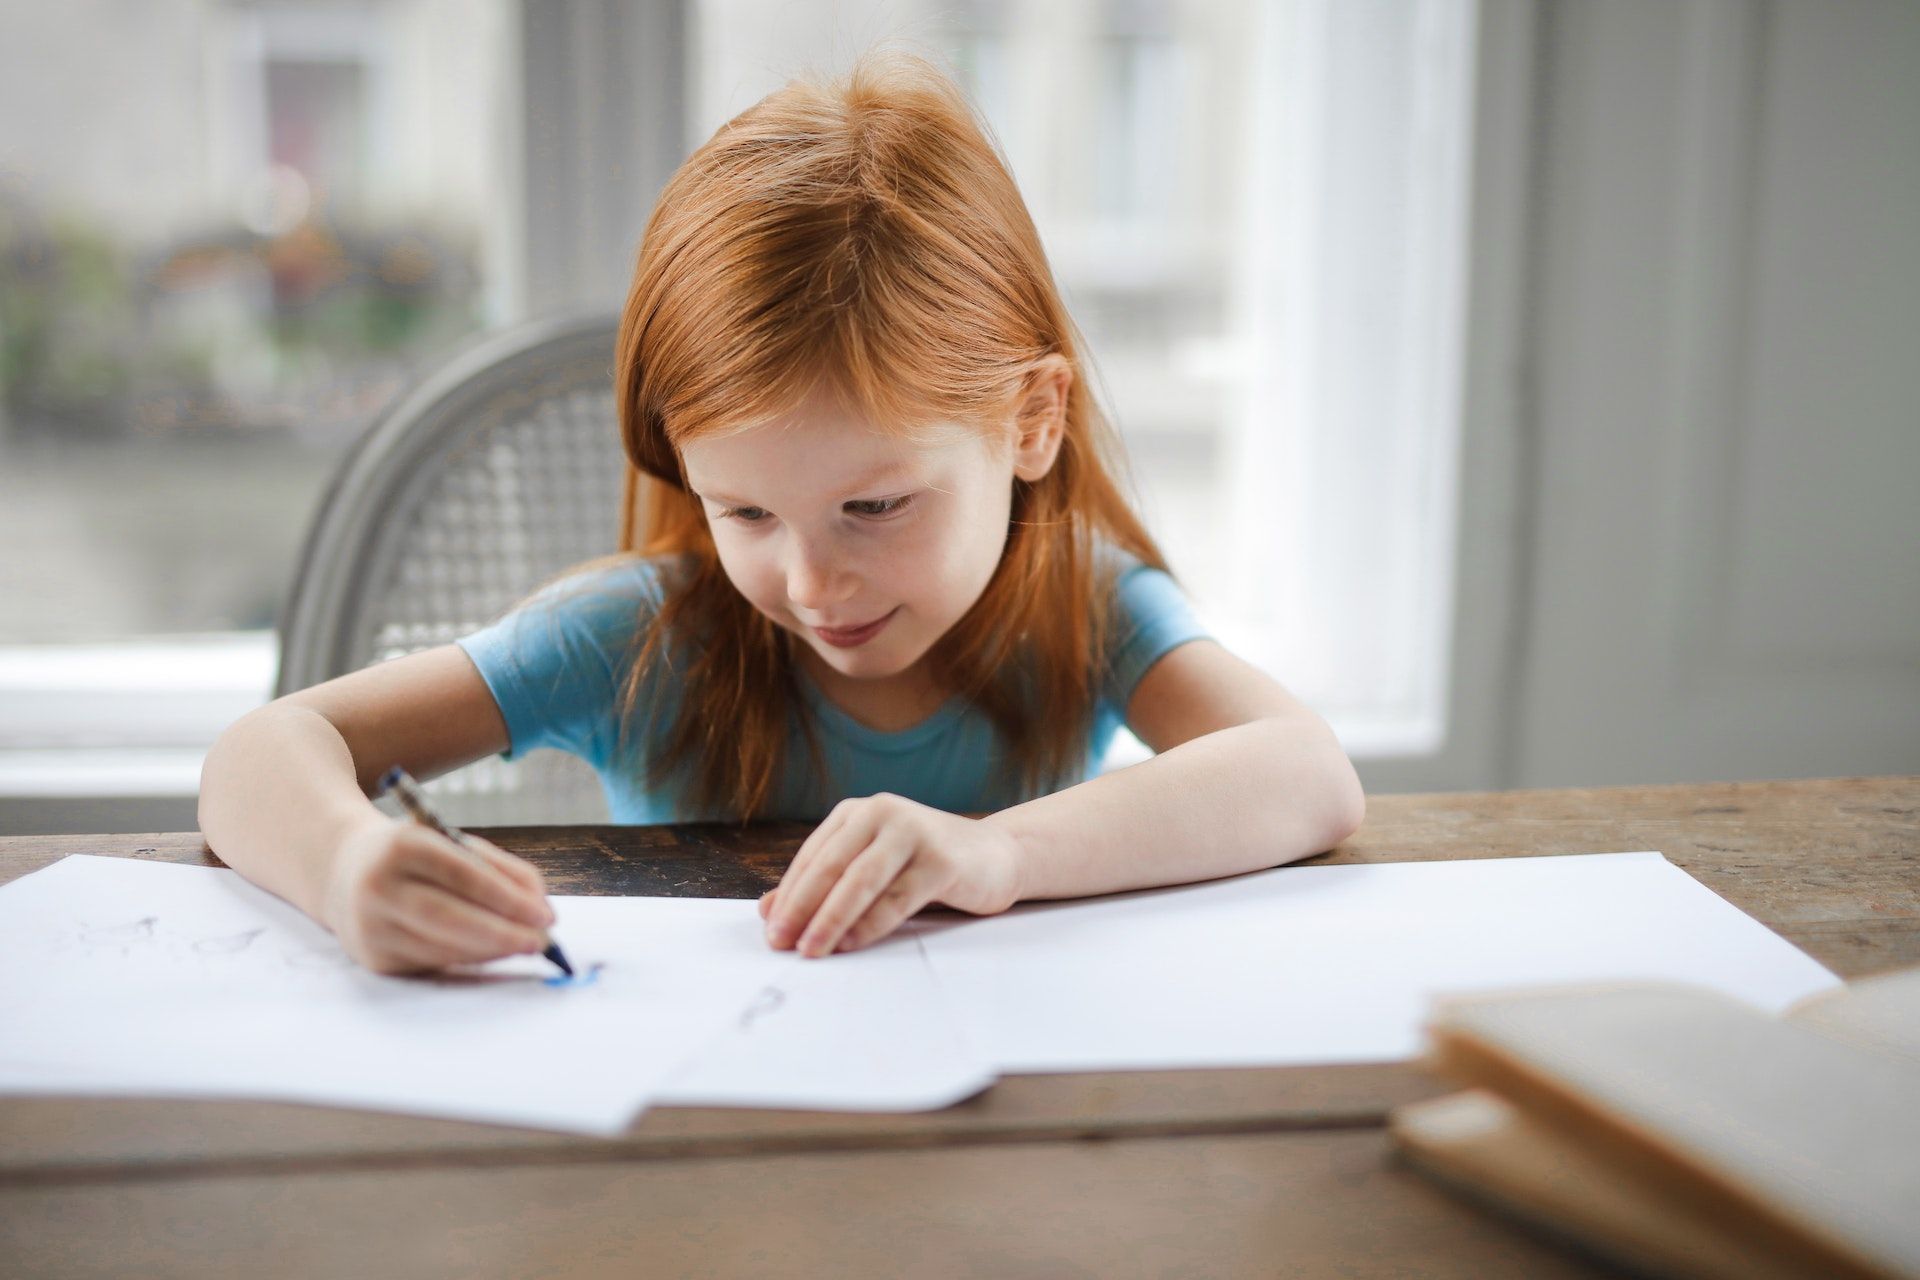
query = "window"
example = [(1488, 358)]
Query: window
[(1346, 438), (229, 235), (1256, 211)]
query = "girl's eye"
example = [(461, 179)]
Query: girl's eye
[(745, 515), (875, 508)]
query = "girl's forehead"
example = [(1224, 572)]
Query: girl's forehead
[(827, 448)]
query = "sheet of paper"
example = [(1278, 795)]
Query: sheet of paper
[(864, 1031), (1334, 964), (119, 976)]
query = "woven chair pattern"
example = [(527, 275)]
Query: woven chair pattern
[(495, 474)]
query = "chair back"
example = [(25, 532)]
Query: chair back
[(496, 472)]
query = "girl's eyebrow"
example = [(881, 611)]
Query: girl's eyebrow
[(865, 482), (874, 477)]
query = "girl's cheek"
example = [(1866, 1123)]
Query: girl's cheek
[(918, 546), (763, 590)]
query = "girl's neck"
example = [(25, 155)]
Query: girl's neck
[(890, 704)]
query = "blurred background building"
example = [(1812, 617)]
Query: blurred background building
[(1528, 383)]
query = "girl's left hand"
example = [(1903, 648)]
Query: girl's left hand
[(877, 860)]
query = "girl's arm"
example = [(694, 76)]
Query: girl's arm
[(1247, 777), (284, 801)]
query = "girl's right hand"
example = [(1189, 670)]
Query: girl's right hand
[(402, 898)]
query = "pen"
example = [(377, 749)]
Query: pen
[(401, 783)]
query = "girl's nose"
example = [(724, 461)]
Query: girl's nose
[(814, 582)]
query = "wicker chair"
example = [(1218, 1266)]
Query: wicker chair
[(499, 470)]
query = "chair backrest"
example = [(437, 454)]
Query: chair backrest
[(494, 473)]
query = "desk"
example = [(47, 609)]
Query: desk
[(1190, 1173)]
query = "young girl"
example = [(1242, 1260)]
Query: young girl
[(887, 581)]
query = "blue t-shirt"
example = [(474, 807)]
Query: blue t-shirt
[(557, 664)]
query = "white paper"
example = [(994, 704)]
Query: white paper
[(860, 1031), (119, 976), (1334, 964)]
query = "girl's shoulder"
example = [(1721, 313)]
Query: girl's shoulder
[(1129, 584), (624, 581), (1148, 615), (560, 658), (1113, 562), (602, 605)]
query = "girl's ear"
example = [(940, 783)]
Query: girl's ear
[(1040, 421)]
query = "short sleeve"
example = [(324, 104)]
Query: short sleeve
[(1151, 616), (557, 662)]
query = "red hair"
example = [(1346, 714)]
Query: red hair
[(865, 232)]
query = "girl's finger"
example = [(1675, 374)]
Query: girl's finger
[(399, 950), (522, 871), (806, 883), (913, 889), (471, 934), (408, 952), (810, 847), (476, 879), (866, 878)]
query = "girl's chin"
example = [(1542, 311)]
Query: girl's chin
[(861, 662), (872, 661)]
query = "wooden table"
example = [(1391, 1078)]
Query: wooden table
[(1283, 1171)]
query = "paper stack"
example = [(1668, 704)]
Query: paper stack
[(118, 976)]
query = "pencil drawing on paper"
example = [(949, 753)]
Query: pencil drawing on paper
[(226, 944), (769, 999), (120, 936), (156, 941)]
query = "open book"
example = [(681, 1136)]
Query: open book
[(1684, 1133)]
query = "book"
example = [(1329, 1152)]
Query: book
[(1682, 1133)]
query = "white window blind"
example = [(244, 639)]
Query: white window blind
[(1346, 441)]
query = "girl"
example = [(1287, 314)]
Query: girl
[(885, 564)]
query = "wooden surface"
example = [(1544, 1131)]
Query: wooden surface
[(1272, 1171)]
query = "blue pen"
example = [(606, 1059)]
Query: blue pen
[(401, 783)]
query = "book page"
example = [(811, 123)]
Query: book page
[(1881, 1013)]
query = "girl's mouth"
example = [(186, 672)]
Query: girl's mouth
[(851, 637)]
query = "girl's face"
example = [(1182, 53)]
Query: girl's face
[(866, 546)]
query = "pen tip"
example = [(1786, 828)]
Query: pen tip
[(553, 953), (391, 776)]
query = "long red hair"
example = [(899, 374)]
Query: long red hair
[(867, 232)]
